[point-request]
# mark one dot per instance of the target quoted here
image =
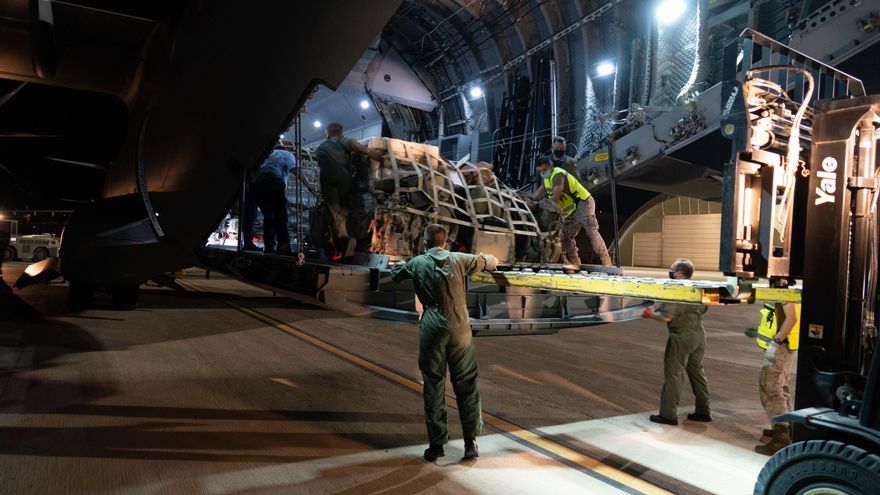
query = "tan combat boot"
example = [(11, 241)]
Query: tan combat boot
[(781, 439)]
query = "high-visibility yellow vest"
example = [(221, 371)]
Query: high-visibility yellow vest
[(768, 327), (566, 202)]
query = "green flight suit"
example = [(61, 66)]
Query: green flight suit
[(684, 354), (439, 279)]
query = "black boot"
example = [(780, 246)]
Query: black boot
[(656, 418), (701, 417), (471, 451), (434, 452)]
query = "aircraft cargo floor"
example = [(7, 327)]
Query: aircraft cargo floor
[(226, 389)]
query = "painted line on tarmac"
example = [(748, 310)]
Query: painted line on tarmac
[(535, 441)]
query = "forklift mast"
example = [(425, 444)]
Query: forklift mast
[(800, 202)]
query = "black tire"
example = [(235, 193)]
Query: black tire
[(9, 254), (40, 254), (79, 296), (820, 467), (126, 297)]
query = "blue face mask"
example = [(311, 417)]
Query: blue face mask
[(545, 174)]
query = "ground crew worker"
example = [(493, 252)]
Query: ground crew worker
[(578, 206), (334, 160), (685, 347), (778, 336), (439, 279), (559, 158), (270, 194)]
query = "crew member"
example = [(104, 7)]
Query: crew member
[(559, 158), (685, 347), (334, 159), (778, 336), (439, 278), (270, 194), (578, 206)]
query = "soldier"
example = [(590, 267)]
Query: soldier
[(439, 278), (270, 194), (685, 347), (577, 205), (778, 336), (334, 160), (559, 157)]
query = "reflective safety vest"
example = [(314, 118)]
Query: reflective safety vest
[(567, 202), (768, 327)]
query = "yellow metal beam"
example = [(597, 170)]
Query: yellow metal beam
[(778, 295), (685, 291)]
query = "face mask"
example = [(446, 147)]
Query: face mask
[(558, 153), (545, 174)]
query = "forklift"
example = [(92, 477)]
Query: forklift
[(800, 201)]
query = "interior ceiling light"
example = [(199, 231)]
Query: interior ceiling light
[(669, 11), (476, 92), (317, 124), (605, 68), (365, 104)]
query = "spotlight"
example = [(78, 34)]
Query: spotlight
[(605, 69), (365, 104), (476, 92), (317, 124), (668, 11)]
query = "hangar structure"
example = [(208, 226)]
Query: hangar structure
[(137, 145)]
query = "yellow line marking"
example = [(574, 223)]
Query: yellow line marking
[(284, 381), (496, 422)]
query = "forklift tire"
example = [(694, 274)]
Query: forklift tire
[(126, 297), (79, 296), (40, 254), (9, 254), (823, 467)]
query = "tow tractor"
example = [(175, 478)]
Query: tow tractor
[(28, 247)]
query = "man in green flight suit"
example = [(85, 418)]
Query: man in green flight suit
[(685, 348), (439, 279)]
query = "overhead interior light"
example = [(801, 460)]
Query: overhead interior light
[(317, 124), (476, 92), (365, 104), (669, 11), (605, 68)]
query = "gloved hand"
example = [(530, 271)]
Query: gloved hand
[(648, 312), (770, 353), (491, 262)]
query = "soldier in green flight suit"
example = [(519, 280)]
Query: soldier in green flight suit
[(685, 348), (439, 278)]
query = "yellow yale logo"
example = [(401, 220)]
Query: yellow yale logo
[(828, 183)]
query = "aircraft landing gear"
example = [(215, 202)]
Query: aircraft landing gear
[(126, 297), (123, 297)]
